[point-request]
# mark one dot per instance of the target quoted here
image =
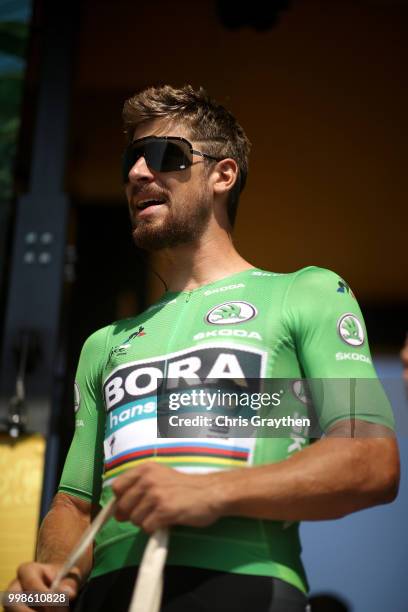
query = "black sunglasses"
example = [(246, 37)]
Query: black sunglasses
[(162, 154)]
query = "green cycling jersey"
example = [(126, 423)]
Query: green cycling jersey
[(251, 325)]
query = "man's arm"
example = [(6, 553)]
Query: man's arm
[(331, 478), (61, 530)]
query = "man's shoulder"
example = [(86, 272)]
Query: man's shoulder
[(311, 277), (308, 276), (315, 290), (313, 287), (104, 336), (120, 329)]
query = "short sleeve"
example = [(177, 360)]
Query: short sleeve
[(331, 341), (83, 467)]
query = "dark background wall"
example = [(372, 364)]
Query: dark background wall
[(323, 97)]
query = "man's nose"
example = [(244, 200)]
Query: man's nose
[(140, 171)]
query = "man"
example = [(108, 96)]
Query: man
[(234, 532)]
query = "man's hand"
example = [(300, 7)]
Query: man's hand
[(34, 576), (154, 496)]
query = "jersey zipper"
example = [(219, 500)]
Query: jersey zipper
[(174, 331)]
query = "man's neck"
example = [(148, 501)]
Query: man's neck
[(189, 266)]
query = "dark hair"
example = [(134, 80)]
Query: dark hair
[(205, 119)]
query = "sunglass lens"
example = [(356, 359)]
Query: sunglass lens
[(160, 155), (167, 156)]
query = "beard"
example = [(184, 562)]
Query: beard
[(176, 228)]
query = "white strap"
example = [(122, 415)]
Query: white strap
[(149, 584)]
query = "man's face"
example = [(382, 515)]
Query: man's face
[(184, 215)]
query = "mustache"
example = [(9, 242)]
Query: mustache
[(147, 192)]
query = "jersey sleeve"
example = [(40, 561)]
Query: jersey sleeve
[(83, 467), (330, 337)]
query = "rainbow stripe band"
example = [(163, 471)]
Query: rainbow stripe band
[(203, 455)]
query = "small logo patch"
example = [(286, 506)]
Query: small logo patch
[(222, 333), (231, 312), (122, 348), (350, 330), (352, 357), (343, 287)]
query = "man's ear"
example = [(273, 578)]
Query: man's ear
[(225, 174)]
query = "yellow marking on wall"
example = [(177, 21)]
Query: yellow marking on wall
[(21, 478)]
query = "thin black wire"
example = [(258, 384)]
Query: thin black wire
[(144, 256)]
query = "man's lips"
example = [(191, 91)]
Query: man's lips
[(145, 209), (147, 202)]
